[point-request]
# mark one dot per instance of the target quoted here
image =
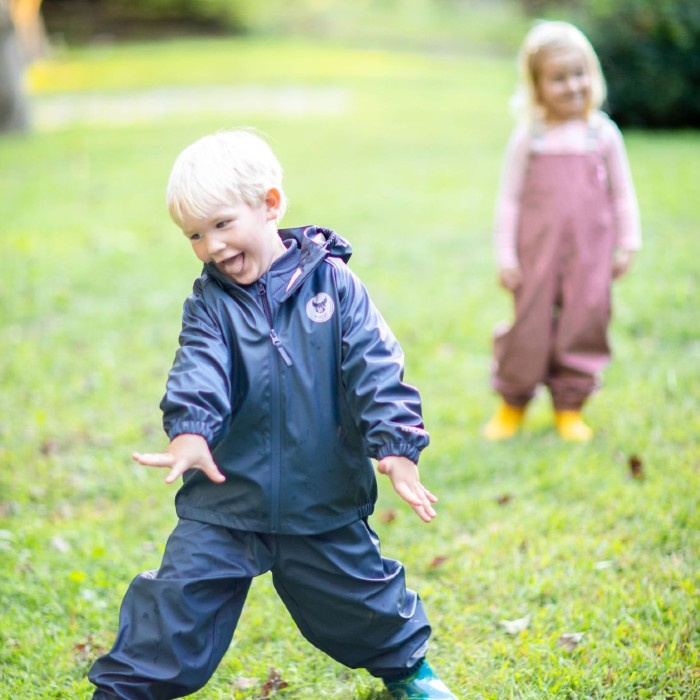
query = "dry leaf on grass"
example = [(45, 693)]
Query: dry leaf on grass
[(242, 683), (438, 562), (636, 467), (570, 640), (516, 626), (273, 683)]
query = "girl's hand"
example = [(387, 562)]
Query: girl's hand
[(510, 278), (621, 263), (186, 451), (406, 482)]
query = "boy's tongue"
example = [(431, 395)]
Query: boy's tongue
[(233, 266)]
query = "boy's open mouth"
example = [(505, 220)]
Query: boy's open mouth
[(233, 265)]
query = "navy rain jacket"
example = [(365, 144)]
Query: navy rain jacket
[(295, 388)]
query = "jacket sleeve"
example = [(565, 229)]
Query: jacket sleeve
[(198, 390), (387, 411)]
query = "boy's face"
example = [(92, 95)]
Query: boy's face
[(240, 240)]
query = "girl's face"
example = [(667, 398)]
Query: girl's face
[(563, 85)]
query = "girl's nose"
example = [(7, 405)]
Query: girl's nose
[(573, 83)]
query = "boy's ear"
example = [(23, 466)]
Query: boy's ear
[(273, 201)]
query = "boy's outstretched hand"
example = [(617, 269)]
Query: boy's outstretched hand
[(406, 482), (186, 451)]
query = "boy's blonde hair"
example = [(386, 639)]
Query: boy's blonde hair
[(546, 38), (229, 167)]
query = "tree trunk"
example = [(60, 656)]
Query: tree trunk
[(14, 108), (29, 26)]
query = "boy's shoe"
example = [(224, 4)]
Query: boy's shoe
[(422, 685), (505, 422), (570, 426)]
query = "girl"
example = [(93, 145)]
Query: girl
[(567, 224)]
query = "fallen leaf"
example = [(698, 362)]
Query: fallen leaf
[(48, 447), (273, 684), (516, 626), (242, 683), (604, 564), (60, 545), (87, 649), (504, 499), (570, 640), (388, 516), (437, 562), (636, 467)]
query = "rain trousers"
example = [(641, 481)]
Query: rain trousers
[(565, 243)]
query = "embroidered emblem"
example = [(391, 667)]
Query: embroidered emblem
[(320, 308)]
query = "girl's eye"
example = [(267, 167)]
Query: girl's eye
[(223, 224), (195, 236)]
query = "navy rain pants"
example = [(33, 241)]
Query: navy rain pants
[(177, 623)]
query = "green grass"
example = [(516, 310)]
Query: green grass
[(93, 277)]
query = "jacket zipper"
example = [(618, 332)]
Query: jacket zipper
[(276, 415), (273, 335)]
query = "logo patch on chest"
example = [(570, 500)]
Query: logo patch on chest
[(320, 308)]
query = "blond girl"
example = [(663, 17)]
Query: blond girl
[(567, 224)]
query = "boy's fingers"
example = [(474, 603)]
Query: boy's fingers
[(175, 473), (425, 514), (154, 459), (212, 471), (431, 497)]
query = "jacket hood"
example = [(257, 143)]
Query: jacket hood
[(315, 241), (316, 244)]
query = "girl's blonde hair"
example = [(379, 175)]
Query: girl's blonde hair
[(545, 38), (229, 167)]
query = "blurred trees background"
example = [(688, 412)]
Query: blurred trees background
[(649, 49), (650, 52)]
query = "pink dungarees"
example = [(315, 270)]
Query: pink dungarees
[(565, 246)]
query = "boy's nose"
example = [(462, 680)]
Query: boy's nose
[(214, 244)]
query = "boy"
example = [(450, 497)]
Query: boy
[(287, 381)]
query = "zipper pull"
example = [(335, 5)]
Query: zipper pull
[(280, 348)]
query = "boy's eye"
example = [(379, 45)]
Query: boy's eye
[(195, 236), (223, 224)]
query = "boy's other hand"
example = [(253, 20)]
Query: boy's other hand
[(406, 482), (186, 451)]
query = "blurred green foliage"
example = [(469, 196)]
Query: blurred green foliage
[(650, 52)]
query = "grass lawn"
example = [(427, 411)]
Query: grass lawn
[(400, 151)]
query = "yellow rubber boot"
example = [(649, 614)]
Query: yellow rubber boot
[(570, 426), (505, 422)]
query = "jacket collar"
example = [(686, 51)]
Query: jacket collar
[(316, 244)]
